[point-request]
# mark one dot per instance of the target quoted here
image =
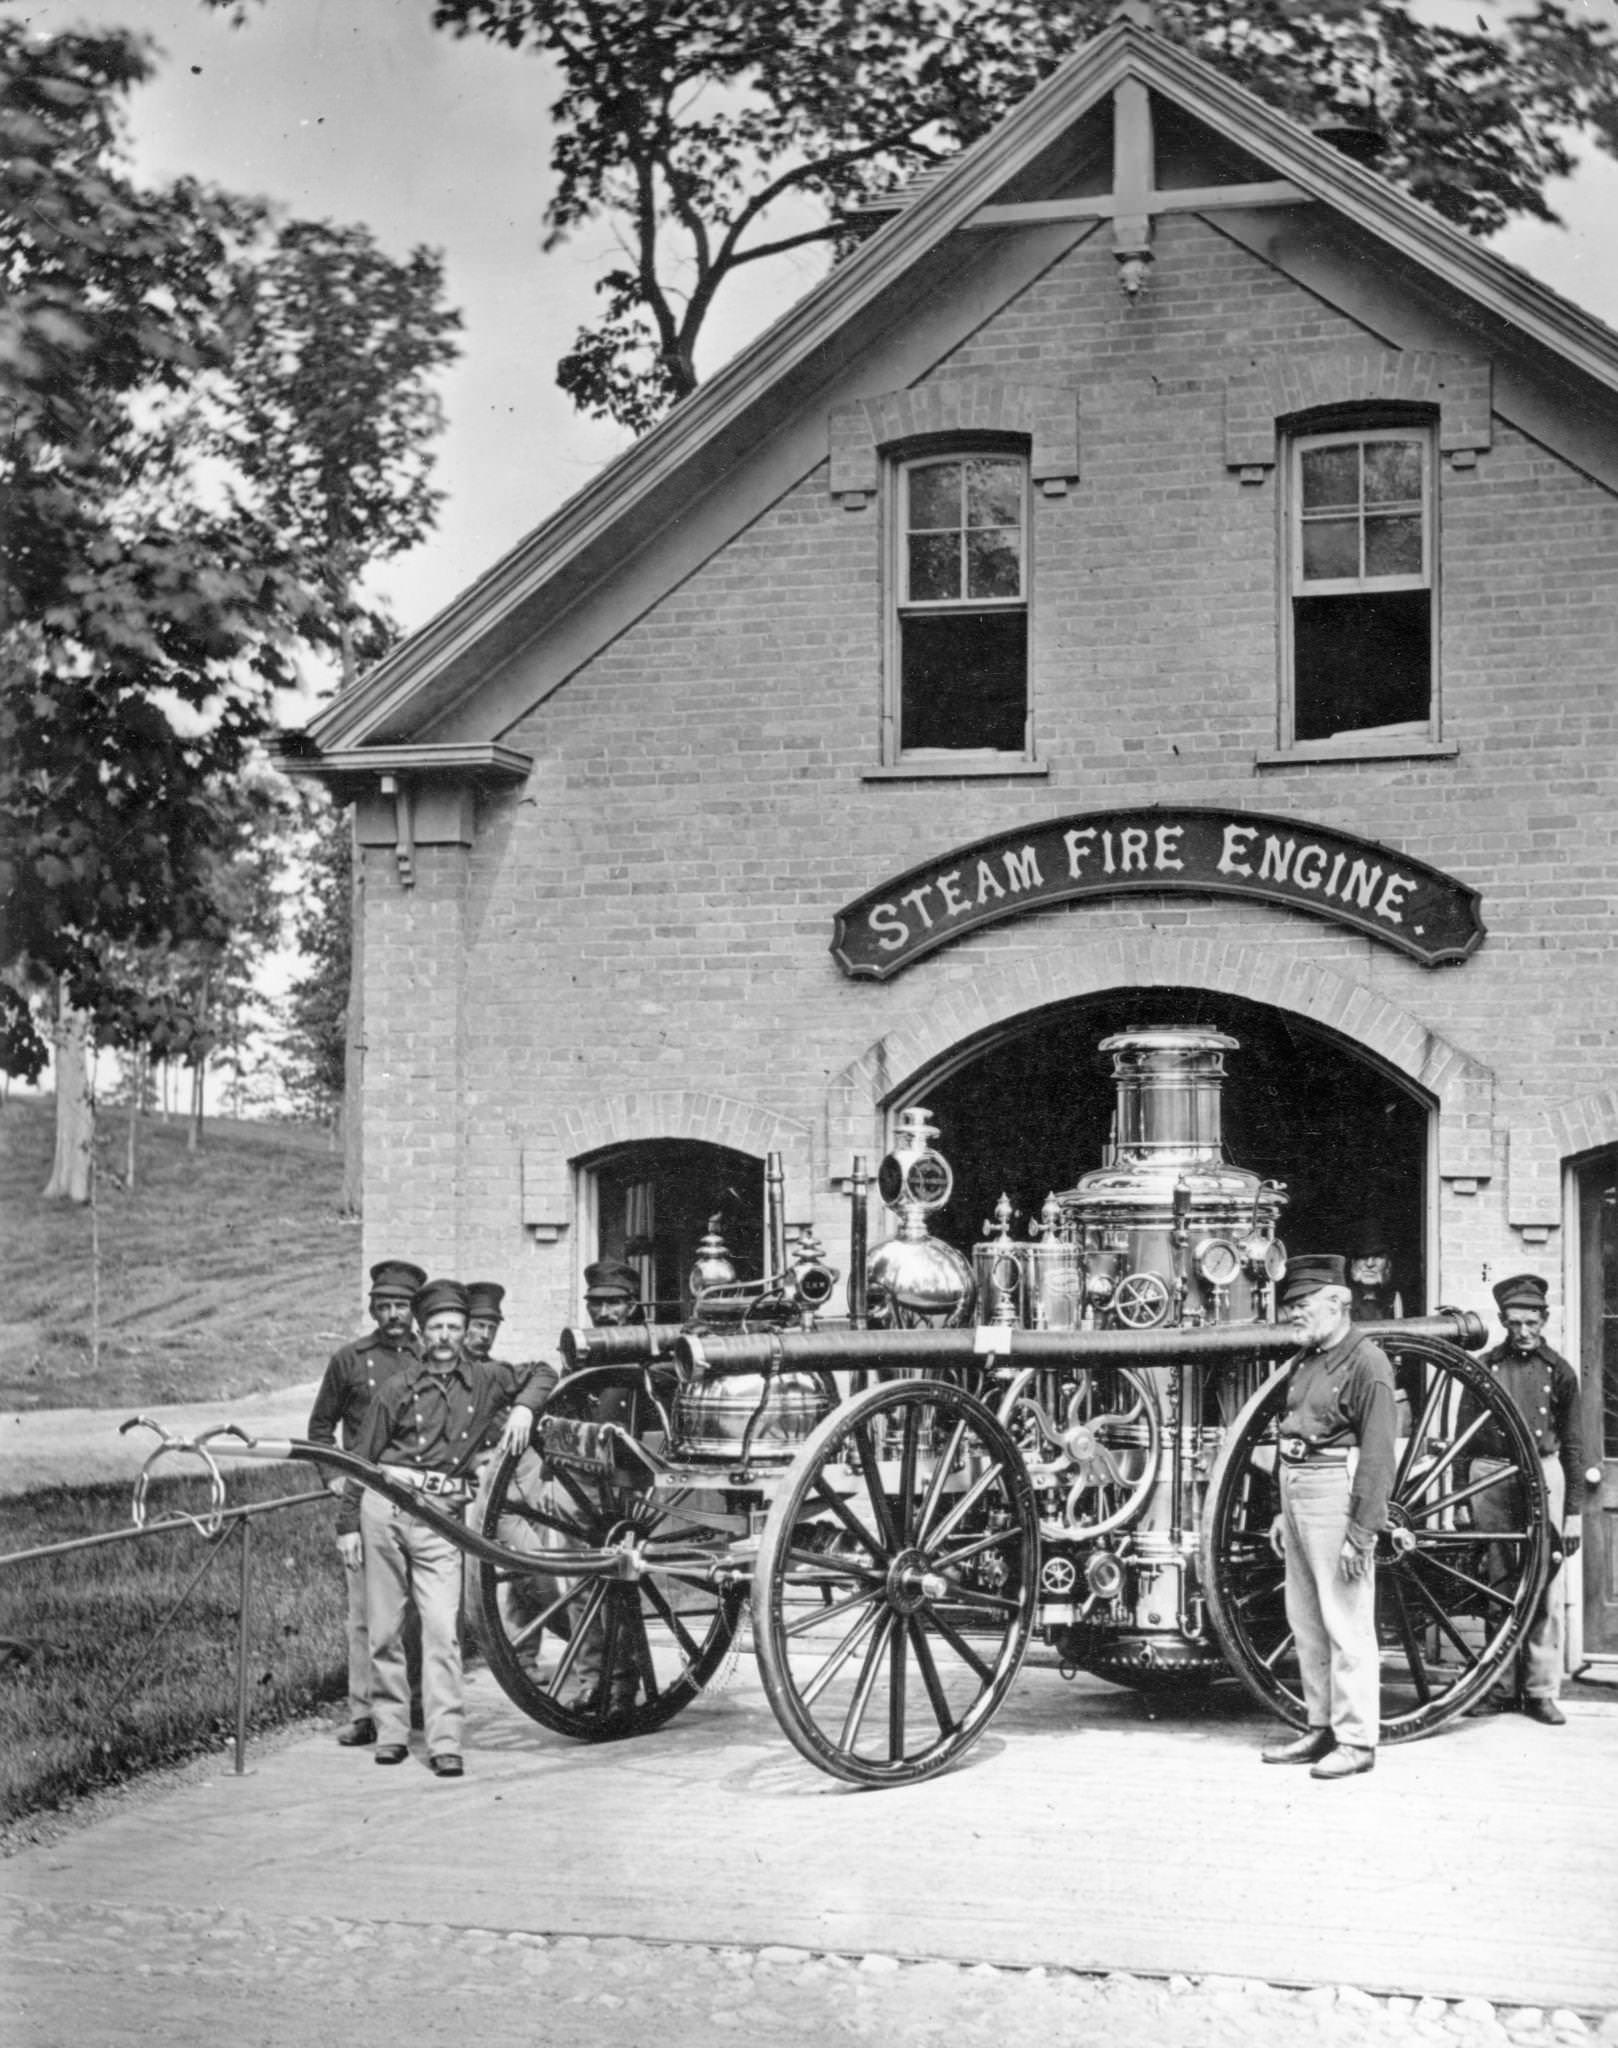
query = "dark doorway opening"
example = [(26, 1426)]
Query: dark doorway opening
[(1031, 1112), (653, 1205)]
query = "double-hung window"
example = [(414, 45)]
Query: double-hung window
[(1361, 547), (959, 669)]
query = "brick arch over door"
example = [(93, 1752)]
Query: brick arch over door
[(936, 1024), (639, 1115), (1540, 1146)]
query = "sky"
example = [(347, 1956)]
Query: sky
[(357, 110)]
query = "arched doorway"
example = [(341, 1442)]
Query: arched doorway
[(1028, 1109), (649, 1204)]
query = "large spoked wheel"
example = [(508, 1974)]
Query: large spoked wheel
[(599, 1657), (1091, 1441), (1459, 1570), (894, 1590)]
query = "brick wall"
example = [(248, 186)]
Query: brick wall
[(649, 917)]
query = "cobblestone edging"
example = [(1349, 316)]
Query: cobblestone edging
[(614, 1990)]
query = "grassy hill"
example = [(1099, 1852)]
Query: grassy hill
[(223, 1272)]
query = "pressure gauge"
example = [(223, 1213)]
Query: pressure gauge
[(1218, 1261), (1275, 1262)]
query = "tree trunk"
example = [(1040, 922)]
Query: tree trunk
[(137, 1088), (75, 1109), (193, 1135), (354, 1051)]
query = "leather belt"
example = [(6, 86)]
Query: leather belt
[(448, 1483), (1295, 1451)]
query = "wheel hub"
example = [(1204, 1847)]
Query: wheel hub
[(1400, 1535), (911, 1585)]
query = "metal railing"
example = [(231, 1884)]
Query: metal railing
[(219, 1527)]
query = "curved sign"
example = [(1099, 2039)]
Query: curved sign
[(1202, 852)]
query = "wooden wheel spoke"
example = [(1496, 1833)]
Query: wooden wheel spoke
[(821, 1615), (864, 1684), (1478, 1586), (845, 1514), (1411, 1642), (1436, 1609), (898, 1643), (825, 1568), (836, 1659), (1441, 1465), (909, 1445), (935, 1485), (1419, 1434), (979, 1599), (1280, 1650), (925, 1664), (967, 1502), (537, 1625), (960, 1646), (653, 1594), (1458, 1498), (871, 1469), (995, 1539)]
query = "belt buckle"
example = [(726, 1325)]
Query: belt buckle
[(1294, 1449)]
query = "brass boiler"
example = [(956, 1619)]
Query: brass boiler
[(1167, 1235)]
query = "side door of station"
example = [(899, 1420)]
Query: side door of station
[(1598, 1365)]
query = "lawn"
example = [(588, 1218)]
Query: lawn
[(83, 1705), (224, 1271)]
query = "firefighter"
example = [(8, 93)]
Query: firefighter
[(350, 1384), (1545, 1391), (424, 1428), (1336, 1460)]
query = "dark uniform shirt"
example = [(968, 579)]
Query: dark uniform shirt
[(1344, 1396), (351, 1382), (1545, 1392), (437, 1421)]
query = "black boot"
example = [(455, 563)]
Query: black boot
[(1307, 1748)]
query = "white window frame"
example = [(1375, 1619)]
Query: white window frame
[(950, 760), (1408, 734)]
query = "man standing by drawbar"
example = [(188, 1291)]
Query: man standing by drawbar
[(424, 1429), (1336, 1457), (347, 1390), (1545, 1391)]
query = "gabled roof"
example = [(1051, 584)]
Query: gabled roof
[(557, 584)]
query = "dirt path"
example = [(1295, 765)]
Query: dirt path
[(82, 1447)]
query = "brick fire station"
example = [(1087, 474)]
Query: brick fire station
[(1165, 576)]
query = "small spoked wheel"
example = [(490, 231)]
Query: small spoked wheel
[(894, 1590), (593, 1655), (1091, 1441), (1459, 1570), (1140, 1301)]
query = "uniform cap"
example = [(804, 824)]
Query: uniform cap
[(1309, 1272), (483, 1299), (1522, 1290), (436, 1295), (397, 1278), (612, 1276)]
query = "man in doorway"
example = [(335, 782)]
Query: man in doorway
[(1545, 1391), (1370, 1279), (1335, 1463), (424, 1429), (347, 1390), (611, 1297)]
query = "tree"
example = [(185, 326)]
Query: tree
[(712, 136), (160, 569), (316, 1007)]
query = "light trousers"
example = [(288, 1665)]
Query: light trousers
[(1539, 1660), (408, 1564), (1333, 1619)]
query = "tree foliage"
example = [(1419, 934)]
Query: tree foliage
[(213, 422), (712, 136), (316, 1007)]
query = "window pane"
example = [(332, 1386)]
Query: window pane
[(1393, 546), (993, 493), (1331, 547), (1361, 661), (935, 566), (1392, 472), (994, 562), (935, 495), (964, 681), (1331, 477)]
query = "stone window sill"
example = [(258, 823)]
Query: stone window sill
[(1310, 753), (940, 768)]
